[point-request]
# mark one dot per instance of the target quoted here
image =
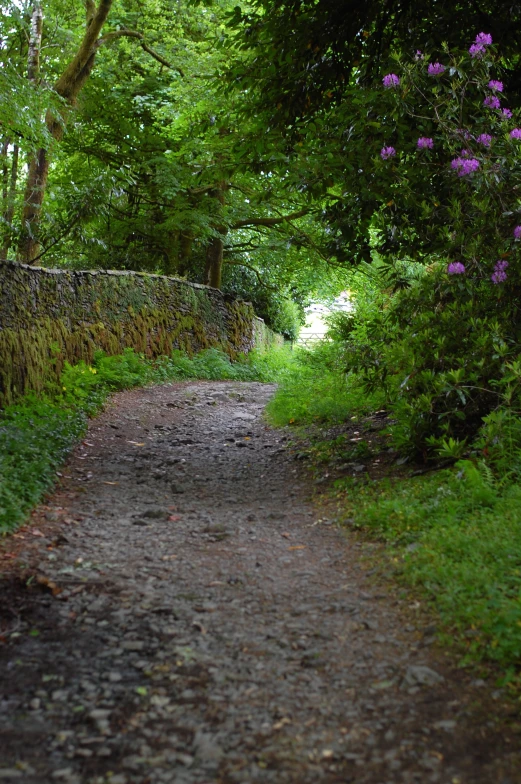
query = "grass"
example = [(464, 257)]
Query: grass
[(38, 433), (314, 389), (454, 535)]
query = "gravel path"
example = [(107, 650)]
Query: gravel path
[(190, 619)]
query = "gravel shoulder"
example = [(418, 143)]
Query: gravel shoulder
[(179, 612)]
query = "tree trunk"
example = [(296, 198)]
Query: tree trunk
[(9, 201), (35, 43), (214, 251), (214, 262), (68, 87)]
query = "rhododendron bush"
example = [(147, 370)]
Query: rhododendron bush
[(437, 200)]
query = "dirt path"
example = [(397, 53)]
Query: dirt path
[(190, 620)]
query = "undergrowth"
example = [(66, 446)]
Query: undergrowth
[(313, 388), (37, 433), (454, 535)]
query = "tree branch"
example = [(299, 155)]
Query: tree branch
[(268, 221), (105, 39), (248, 266)]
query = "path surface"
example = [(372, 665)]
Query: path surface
[(191, 620)]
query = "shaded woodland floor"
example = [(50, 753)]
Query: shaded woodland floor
[(179, 612)]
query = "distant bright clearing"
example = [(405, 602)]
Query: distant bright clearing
[(315, 327)]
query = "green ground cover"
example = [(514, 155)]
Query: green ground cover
[(453, 535)]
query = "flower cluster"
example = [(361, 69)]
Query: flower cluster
[(465, 166), (387, 152), (456, 268), (390, 80), (435, 69), (479, 47), (499, 275), (492, 102)]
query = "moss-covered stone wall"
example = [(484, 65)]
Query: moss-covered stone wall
[(48, 317)]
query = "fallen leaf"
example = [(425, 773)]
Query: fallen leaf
[(36, 532), (174, 518), (297, 547), (168, 557), (136, 443), (286, 535), (280, 724), (44, 582), (110, 483)]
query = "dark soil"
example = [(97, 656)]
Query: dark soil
[(178, 612)]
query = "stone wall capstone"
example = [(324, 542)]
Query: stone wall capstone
[(49, 317)]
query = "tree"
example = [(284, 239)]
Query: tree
[(68, 87)]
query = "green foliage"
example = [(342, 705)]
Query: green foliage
[(35, 438), (457, 537), (440, 349), (213, 364), (37, 434), (314, 389)]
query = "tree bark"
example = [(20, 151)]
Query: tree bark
[(214, 262), (9, 202), (35, 43), (214, 251)]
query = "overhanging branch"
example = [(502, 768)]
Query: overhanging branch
[(124, 33), (256, 271), (268, 221)]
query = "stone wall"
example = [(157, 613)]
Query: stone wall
[(48, 317)]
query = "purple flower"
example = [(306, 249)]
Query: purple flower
[(456, 268), (463, 132), (435, 69), (499, 275), (516, 133), (477, 50), (391, 80), (495, 85), (419, 55), (466, 154), (485, 139), (517, 233), (506, 113), (464, 166), (387, 152), (484, 38), (492, 101), (424, 143)]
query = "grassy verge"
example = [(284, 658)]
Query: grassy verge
[(456, 538), (37, 434), (453, 535), (313, 389)]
